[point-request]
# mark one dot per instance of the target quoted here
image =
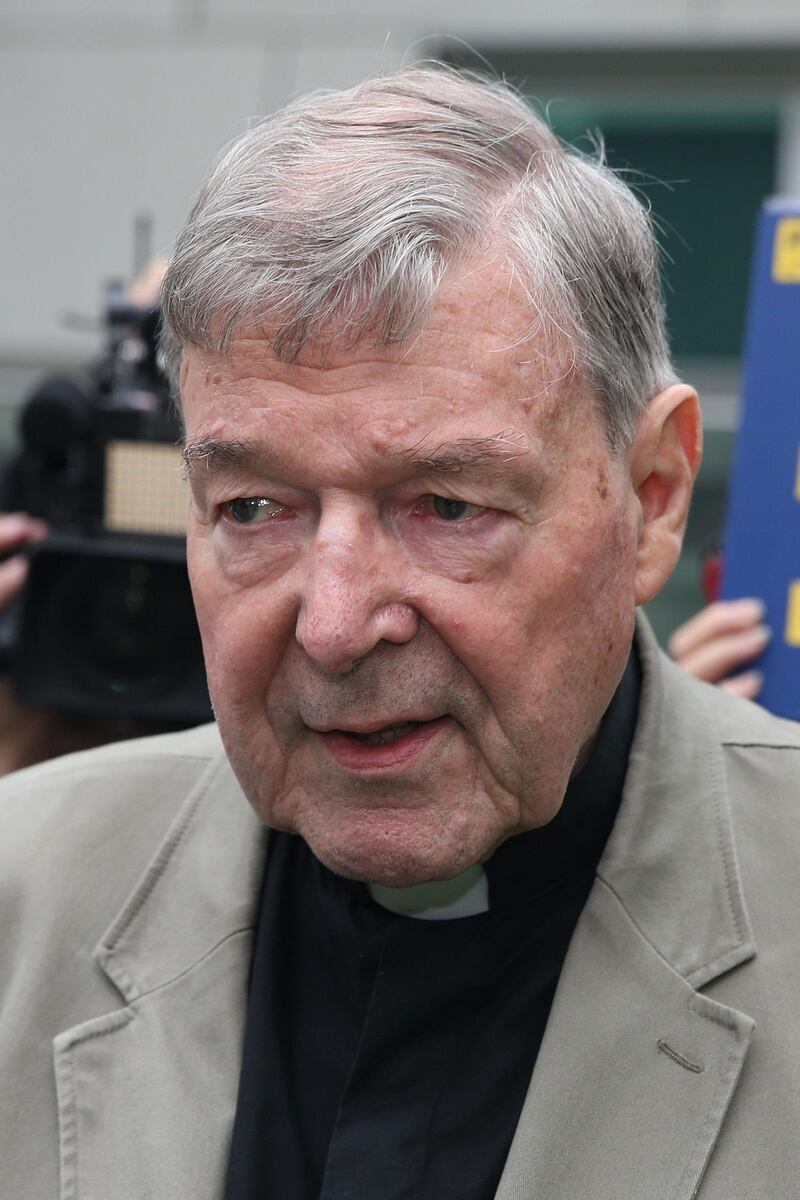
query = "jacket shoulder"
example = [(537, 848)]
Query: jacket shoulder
[(90, 773), (77, 832), (757, 758), (733, 720), (761, 757), (744, 723), (760, 752), (100, 782)]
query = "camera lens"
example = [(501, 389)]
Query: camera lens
[(132, 625)]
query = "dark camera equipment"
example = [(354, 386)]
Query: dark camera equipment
[(105, 624)]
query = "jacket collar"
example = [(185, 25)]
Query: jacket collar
[(147, 1093), (671, 858), (212, 860)]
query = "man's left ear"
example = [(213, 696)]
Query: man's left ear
[(664, 459)]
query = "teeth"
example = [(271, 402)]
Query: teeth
[(385, 737)]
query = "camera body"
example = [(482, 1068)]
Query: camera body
[(105, 624)]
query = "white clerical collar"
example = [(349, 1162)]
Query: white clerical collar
[(465, 896)]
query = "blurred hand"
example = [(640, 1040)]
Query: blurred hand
[(16, 531), (720, 640), (145, 289)]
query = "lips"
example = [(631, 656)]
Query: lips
[(382, 746), (385, 736)]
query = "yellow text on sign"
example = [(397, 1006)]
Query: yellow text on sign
[(793, 615), (786, 251)]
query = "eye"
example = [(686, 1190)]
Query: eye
[(454, 510), (253, 510)]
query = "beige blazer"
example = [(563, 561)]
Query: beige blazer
[(670, 1066)]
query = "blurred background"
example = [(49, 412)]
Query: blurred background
[(110, 114)]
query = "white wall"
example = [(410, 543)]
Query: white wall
[(107, 109)]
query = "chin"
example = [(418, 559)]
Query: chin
[(395, 852)]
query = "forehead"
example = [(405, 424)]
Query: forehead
[(475, 361)]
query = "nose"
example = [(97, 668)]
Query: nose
[(352, 595)]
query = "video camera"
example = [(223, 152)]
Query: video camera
[(105, 624)]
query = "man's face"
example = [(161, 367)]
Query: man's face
[(414, 578)]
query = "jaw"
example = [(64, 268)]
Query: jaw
[(398, 847), (432, 829)]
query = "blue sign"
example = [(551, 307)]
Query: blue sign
[(762, 540)]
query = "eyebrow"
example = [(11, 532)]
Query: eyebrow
[(442, 458), (214, 454), (450, 458)]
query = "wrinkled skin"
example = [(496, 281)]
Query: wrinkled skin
[(349, 599)]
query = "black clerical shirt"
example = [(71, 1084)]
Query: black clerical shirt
[(387, 1057)]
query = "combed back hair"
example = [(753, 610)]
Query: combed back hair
[(335, 220)]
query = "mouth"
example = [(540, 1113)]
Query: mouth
[(385, 736), (382, 746)]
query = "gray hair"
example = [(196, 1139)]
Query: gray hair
[(336, 219)]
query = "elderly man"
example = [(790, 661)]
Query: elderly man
[(470, 902)]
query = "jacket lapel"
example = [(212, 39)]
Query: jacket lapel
[(637, 1067), (147, 1093), (631, 1085)]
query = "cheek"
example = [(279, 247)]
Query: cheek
[(244, 630), (589, 614), (554, 624)]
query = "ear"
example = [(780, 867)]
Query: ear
[(664, 459)]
